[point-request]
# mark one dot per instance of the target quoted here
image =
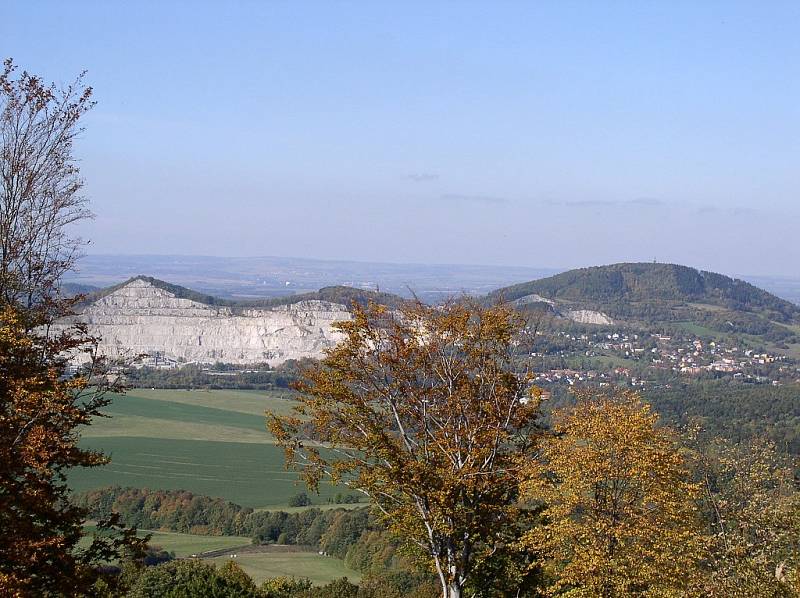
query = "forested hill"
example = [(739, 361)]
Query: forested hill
[(653, 283), (335, 294)]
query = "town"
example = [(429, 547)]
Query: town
[(652, 359)]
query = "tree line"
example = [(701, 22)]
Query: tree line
[(218, 377), (353, 535)]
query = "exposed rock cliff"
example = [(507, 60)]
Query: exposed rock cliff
[(581, 316), (141, 317), (588, 316)]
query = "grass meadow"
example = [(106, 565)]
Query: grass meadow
[(259, 565), (208, 442), (319, 569), (183, 545)]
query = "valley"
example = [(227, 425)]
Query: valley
[(399, 300), (211, 443), (661, 328), (703, 350), (640, 323), (259, 562)]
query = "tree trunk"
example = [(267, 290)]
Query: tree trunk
[(453, 590)]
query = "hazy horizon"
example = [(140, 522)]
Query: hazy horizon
[(270, 276), (364, 260), (554, 135)]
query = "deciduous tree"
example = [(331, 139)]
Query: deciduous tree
[(40, 187), (752, 505), (191, 579), (41, 407), (420, 409), (40, 413), (619, 505)]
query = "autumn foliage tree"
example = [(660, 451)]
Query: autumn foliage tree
[(752, 506), (620, 509), (420, 409), (40, 412), (41, 408)]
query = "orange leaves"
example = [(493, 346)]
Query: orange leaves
[(40, 414), (420, 409)]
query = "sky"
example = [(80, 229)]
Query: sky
[(546, 134)]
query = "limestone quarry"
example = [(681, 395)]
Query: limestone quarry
[(581, 316), (142, 318), (587, 316)]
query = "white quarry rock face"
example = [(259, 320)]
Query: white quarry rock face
[(143, 318), (528, 299), (587, 316), (581, 316)]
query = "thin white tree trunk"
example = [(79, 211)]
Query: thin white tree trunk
[(453, 591)]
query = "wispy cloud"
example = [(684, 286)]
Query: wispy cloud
[(646, 201), (728, 211), (643, 202), (653, 203), (422, 177), (479, 199)]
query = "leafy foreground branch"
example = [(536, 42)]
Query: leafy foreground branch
[(420, 410), (40, 413), (41, 407)]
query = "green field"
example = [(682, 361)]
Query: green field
[(608, 361), (209, 442), (259, 565), (697, 329), (183, 545), (319, 569)]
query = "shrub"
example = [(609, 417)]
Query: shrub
[(299, 500)]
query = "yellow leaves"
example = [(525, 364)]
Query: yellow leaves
[(752, 500), (618, 501), (40, 414), (10, 586)]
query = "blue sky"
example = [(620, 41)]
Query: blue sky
[(552, 134)]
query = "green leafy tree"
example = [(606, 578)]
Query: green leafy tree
[(338, 588), (301, 499), (284, 587), (190, 579), (237, 577)]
